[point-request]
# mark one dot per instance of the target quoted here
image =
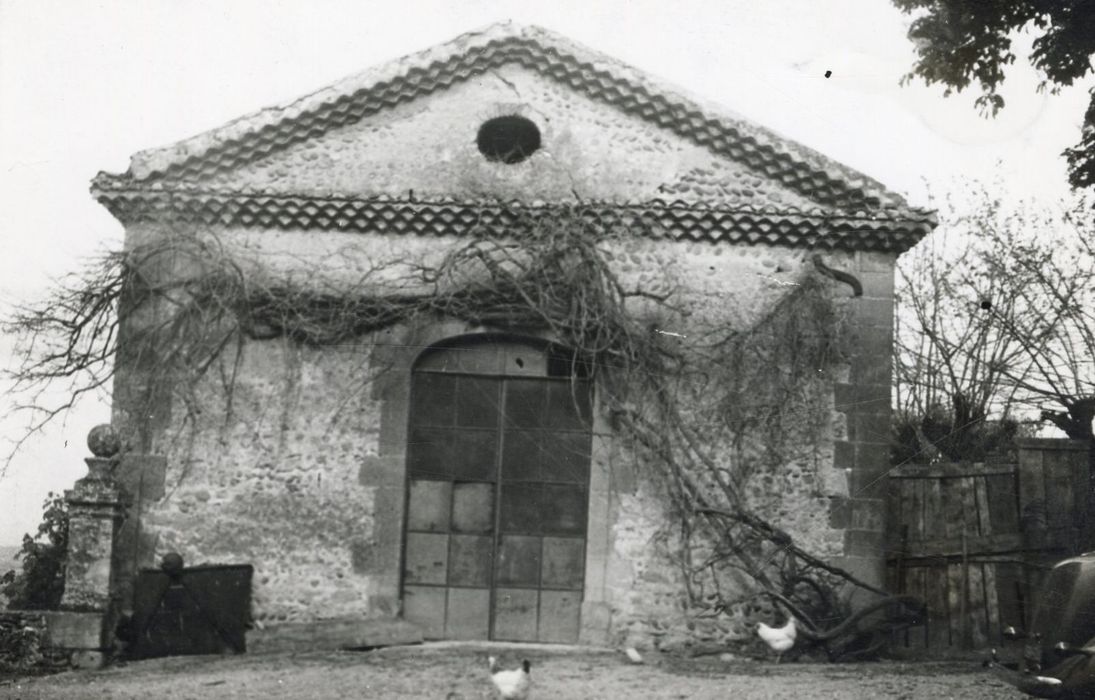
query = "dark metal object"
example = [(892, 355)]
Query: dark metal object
[(839, 275), (197, 610), (1059, 655), (1066, 648), (1029, 683)]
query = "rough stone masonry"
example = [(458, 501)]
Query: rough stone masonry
[(303, 474)]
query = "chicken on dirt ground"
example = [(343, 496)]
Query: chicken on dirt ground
[(511, 684), (780, 639)]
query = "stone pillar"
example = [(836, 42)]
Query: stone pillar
[(96, 507), (864, 456)]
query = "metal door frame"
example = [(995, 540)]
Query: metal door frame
[(496, 534)]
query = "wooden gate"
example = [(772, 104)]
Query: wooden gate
[(973, 539), (498, 464)]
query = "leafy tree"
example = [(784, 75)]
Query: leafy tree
[(962, 41), (996, 320), (42, 581)]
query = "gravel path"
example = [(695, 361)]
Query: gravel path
[(457, 671)]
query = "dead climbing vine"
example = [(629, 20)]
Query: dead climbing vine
[(711, 407)]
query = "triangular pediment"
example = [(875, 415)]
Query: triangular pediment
[(407, 129), (591, 151)]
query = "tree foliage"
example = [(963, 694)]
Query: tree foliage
[(959, 42), (41, 583), (996, 323)]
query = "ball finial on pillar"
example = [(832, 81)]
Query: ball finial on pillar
[(103, 441), (172, 563)]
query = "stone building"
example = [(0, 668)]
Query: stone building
[(363, 501)]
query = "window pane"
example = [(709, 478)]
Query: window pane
[(564, 362), (472, 454), (470, 560), (434, 396), (478, 358), (473, 507), (564, 509), (525, 360), (566, 457), (429, 452), (437, 360), (568, 405), (520, 508), (427, 558), (515, 613), (564, 563), (521, 455), (559, 616), (425, 607), (468, 614), (525, 403), (477, 402), (518, 561), (429, 505)]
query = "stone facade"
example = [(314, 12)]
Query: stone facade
[(303, 472), (82, 628)]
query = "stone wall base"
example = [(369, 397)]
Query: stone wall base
[(80, 635), (341, 633), (596, 627)]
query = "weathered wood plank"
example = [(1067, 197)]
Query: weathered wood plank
[(919, 532), (1031, 584), (1059, 498), (927, 576), (903, 587), (968, 518), (934, 516), (895, 576), (949, 520), (917, 637), (973, 594), (935, 585), (979, 546), (949, 470), (972, 600), (1008, 583), (992, 602), (981, 505), (902, 499), (953, 578), (1003, 502), (979, 616), (957, 596), (895, 503), (1032, 486), (1081, 480)]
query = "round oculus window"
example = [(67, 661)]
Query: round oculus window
[(508, 139)]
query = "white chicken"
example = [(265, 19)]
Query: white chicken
[(512, 684), (780, 639)]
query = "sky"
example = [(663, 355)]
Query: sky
[(83, 85)]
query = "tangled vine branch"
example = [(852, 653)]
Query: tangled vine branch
[(708, 415)]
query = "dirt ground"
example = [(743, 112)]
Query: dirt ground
[(457, 671)]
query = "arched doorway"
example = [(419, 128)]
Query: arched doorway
[(497, 491)]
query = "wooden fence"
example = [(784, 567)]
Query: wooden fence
[(974, 539)]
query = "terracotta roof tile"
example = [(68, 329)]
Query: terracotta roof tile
[(888, 231), (589, 72)]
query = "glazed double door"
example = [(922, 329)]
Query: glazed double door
[(497, 503)]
